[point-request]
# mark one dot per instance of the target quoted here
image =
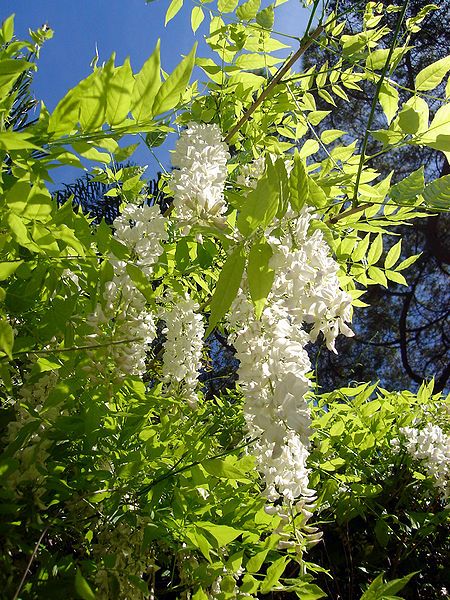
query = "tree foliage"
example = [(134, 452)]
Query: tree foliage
[(121, 476)]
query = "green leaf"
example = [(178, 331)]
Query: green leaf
[(197, 16), (48, 363), (361, 249), (378, 276), (6, 338), (310, 591), (407, 190), (8, 466), (248, 10), (223, 469), (422, 110), (393, 255), (265, 17), (261, 205), (377, 59), (438, 135), (374, 587), (7, 29), (382, 532), (11, 68), (317, 196), (82, 587), (298, 184), (92, 95), (430, 77), (394, 586), (223, 534), (273, 575), (409, 120), (31, 203), (64, 118), (227, 6), (140, 281), (330, 135), (8, 268), (337, 429), (174, 8), (227, 286), (407, 262), (388, 99), (437, 193), (260, 275), (146, 85), (15, 140), (20, 232), (256, 562), (396, 277), (376, 250), (118, 94), (169, 93)]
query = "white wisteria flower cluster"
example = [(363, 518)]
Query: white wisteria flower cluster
[(122, 326), (431, 447), (200, 160), (306, 300), (183, 348)]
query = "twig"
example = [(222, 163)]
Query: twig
[(30, 562), (349, 212)]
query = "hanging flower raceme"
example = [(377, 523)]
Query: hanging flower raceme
[(200, 160), (183, 348), (306, 299), (121, 319), (431, 447)]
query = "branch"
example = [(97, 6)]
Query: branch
[(276, 79), (30, 562)]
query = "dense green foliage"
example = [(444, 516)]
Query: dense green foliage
[(113, 485)]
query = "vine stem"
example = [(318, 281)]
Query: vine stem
[(276, 79), (30, 562), (375, 100)]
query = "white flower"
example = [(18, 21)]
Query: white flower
[(431, 446), (122, 327), (200, 161), (183, 348), (272, 352)]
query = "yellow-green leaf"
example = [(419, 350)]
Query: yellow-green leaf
[(260, 274), (248, 10), (393, 255), (118, 94), (82, 587), (173, 9), (197, 16), (6, 338), (227, 6), (227, 286), (169, 93), (388, 98), (376, 250), (146, 85), (430, 77), (265, 17)]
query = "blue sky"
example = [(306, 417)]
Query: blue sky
[(128, 27)]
